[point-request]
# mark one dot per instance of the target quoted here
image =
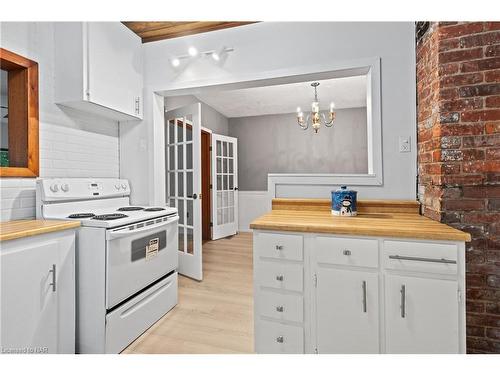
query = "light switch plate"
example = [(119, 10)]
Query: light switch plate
[(404, 144)]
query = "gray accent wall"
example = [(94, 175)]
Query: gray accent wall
[(276, 144), (210, 118)]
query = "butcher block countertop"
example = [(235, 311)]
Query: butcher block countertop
[(11, 230), (375, 218)]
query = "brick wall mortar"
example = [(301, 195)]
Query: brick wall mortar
[(458, 93)]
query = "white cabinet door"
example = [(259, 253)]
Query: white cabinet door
[(347, 317), (29, 306), (114, 67), (421, 315)]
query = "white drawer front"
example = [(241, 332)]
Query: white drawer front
[(276, 338), (279, 246), (127, 322), (421, 256), (279, 275), (280, 306), (347, 251)]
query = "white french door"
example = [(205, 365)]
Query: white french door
[(224, 186), (183, 167)]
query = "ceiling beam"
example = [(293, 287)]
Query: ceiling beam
[(154, 31)]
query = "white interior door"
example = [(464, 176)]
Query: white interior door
[(183, 164), (224, 186)]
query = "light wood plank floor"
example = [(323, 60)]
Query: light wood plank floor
[(212, 316)]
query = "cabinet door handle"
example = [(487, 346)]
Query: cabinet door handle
[(403, 301), (279, 277), (363, 287), (280, 308), (280, 339), (346, 252), (418, 259), (53, 283), (137, 105)]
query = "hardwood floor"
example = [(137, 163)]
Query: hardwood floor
[(213, 316)]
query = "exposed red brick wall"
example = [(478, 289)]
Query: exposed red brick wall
[(458, 92)]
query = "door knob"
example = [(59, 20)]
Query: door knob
[(279, 277), (194, 196)]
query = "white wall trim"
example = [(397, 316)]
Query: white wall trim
[(252, 204)]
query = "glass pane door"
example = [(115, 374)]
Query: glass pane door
[(225, 189), (182, 142)]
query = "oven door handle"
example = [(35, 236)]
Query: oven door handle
[(111, 235)]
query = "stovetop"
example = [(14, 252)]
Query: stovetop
[(112, 217)]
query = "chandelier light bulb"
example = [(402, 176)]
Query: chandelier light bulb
[(175, 62), (298, 110), (192, 51), (215, 56), (332, 106)]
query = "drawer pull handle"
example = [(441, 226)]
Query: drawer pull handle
[(280, 339), (279, 277), (403, 301), (279, 308), (279, 247), (53, 272), (418, 259), (347, 252), (363, 287)]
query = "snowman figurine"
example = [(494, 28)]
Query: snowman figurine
[(346, 209)]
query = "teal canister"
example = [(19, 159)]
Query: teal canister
[(344, 202)]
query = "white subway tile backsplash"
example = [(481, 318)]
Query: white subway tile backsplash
[(64, 152)]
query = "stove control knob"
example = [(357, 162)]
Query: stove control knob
[(54, 188), (117, 186), (124, 186), (65, 188)]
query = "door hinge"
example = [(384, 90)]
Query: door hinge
[(459, 295), (210, 186), (315, 280), (210, 148), (211, 224)]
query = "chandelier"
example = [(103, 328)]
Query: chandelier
[(315, 117)]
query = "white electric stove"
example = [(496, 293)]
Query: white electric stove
[(126, 258)]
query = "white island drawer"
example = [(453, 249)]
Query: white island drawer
[(279, 275), (279, 246), (281, 306), (347, 251), (421, 256), (276, 338)]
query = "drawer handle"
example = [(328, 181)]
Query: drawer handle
[(279, 277), (280, 339), (53, 272), (403, 301), (279, 247), (347, 252), (279, 308), (418, 259)]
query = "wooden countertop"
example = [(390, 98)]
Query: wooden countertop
[(10, 230), (399, 219)]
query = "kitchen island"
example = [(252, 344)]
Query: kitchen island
[(386, 281)]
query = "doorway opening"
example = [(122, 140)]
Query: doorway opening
[(206, 185)]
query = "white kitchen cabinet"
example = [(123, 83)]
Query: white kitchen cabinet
[(320, 293), (421, 315), (38, 294), (347, 311), (99, 69)]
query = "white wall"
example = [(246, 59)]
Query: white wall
[(261, 49), (72, 143)]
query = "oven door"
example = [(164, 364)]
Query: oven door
[(137, 255)]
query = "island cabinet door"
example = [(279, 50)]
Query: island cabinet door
[(347, 311), (421, 315)]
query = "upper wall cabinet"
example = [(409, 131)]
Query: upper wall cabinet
[(99, 69)]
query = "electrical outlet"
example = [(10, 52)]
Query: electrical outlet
[(404, 144)]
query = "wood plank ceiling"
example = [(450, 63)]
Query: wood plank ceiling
[(153, 31)]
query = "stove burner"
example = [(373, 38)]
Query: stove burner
[(81, 215), (130, 208), (109, 217), (154, 209)]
